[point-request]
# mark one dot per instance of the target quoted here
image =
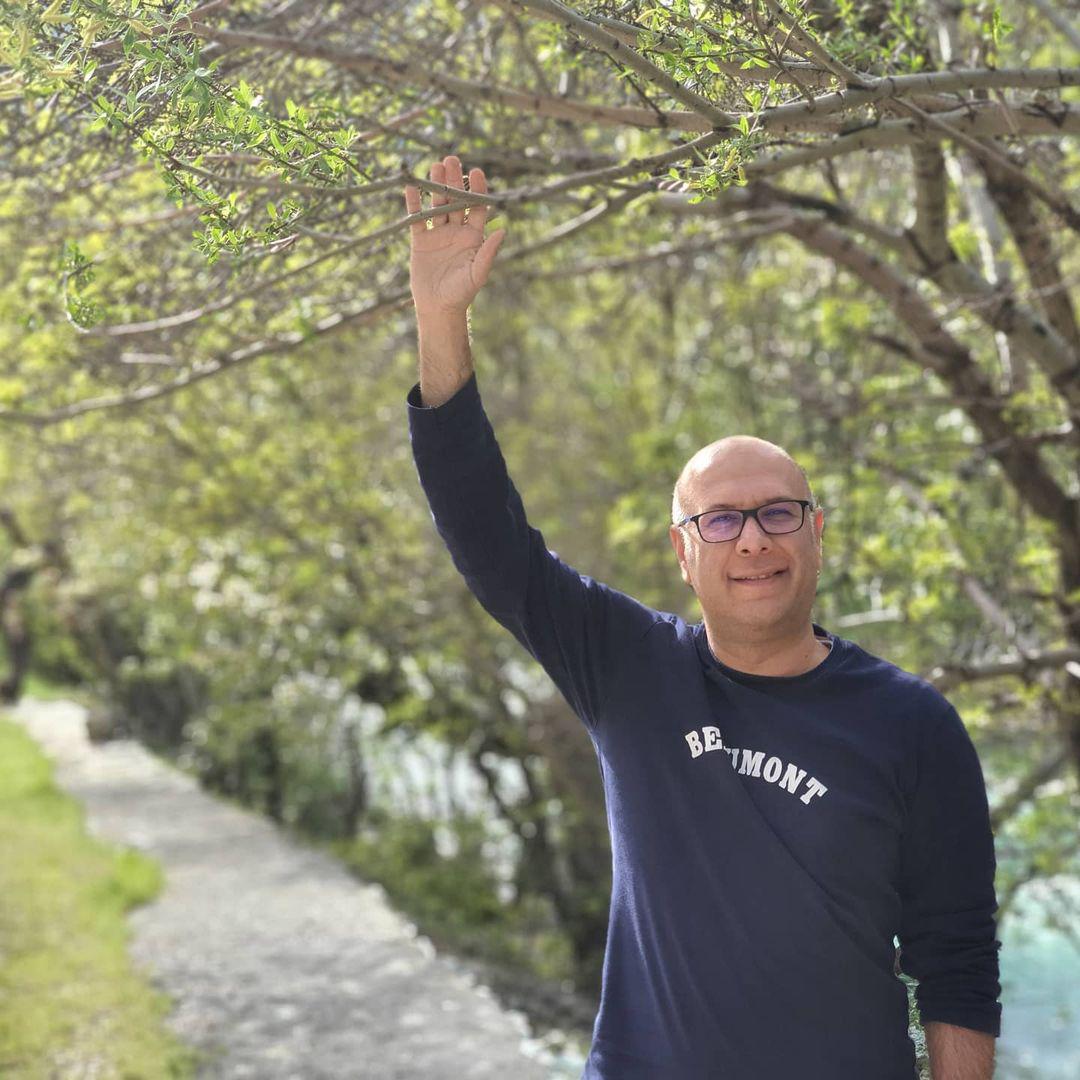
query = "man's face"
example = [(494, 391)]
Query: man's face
[(744, 477)]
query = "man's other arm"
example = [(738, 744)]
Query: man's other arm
[(958, 1053), (948, 903)]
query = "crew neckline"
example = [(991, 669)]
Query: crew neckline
[(719, 669)]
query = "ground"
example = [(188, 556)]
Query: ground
[(283, 966)]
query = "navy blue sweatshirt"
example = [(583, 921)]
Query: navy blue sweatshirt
[(769, 834)]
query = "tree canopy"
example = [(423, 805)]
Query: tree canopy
[(848, 226)]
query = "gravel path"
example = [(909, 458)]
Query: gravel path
[(282, 965)]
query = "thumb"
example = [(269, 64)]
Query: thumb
[(485, 256)]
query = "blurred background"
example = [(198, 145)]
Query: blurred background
[(212, 534)]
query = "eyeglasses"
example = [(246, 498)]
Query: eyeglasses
[(776, 518)]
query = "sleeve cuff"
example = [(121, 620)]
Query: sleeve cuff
[(465, 401), (985, 1020)]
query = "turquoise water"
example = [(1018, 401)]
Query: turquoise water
[(1040, 989)]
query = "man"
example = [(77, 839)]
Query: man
[(781, 803)]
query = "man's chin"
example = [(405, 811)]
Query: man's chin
[(760, 619)]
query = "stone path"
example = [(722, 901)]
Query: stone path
[(282, 965)]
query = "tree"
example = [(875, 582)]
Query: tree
[(892, 177)]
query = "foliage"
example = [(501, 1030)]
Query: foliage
[(206, 266), (450, 891)]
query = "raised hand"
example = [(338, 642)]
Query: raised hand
[(449, 262)]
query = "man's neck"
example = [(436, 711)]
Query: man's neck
[(793, 655)]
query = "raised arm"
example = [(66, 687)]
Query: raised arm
[(448, 266), (574, 626)]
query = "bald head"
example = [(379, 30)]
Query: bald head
[(733, 458)]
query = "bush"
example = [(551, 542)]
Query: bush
[(158, 697), (453, 897)]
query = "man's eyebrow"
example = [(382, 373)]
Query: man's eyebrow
[(732, 506)]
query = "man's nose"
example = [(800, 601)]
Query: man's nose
[(753, 537)]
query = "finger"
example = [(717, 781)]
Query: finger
[(481, 265), (438, 176), (452, 164), (412, 206), (478, 213)]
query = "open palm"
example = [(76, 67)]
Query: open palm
[(450, 261)]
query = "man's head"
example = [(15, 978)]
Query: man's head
[(742, 471)]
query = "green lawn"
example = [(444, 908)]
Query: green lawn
[(71, 1003)]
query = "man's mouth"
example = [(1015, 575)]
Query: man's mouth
[(760, 577)]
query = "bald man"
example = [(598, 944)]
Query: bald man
[(783, 805), (756, 583)]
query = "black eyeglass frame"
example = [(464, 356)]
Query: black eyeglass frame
[(806, 504)]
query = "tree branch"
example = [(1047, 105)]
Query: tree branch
[(953, 363), (1036, 249), (788, 117), (623, 54), (925, 251), (947, 677), (1027, 785), (207, 368), (983, 119), (929, 233)]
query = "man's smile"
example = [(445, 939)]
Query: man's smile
[(761, 578)]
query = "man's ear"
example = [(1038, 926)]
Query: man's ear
[(675, 536), (678, 542)]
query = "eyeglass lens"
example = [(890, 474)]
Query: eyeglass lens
[(778, 517)]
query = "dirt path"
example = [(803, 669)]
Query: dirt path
[(282, 965)]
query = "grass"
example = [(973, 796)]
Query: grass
[(71, 1003), (35, 687)]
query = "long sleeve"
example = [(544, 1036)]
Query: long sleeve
[(567, 621), (947, 935)]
